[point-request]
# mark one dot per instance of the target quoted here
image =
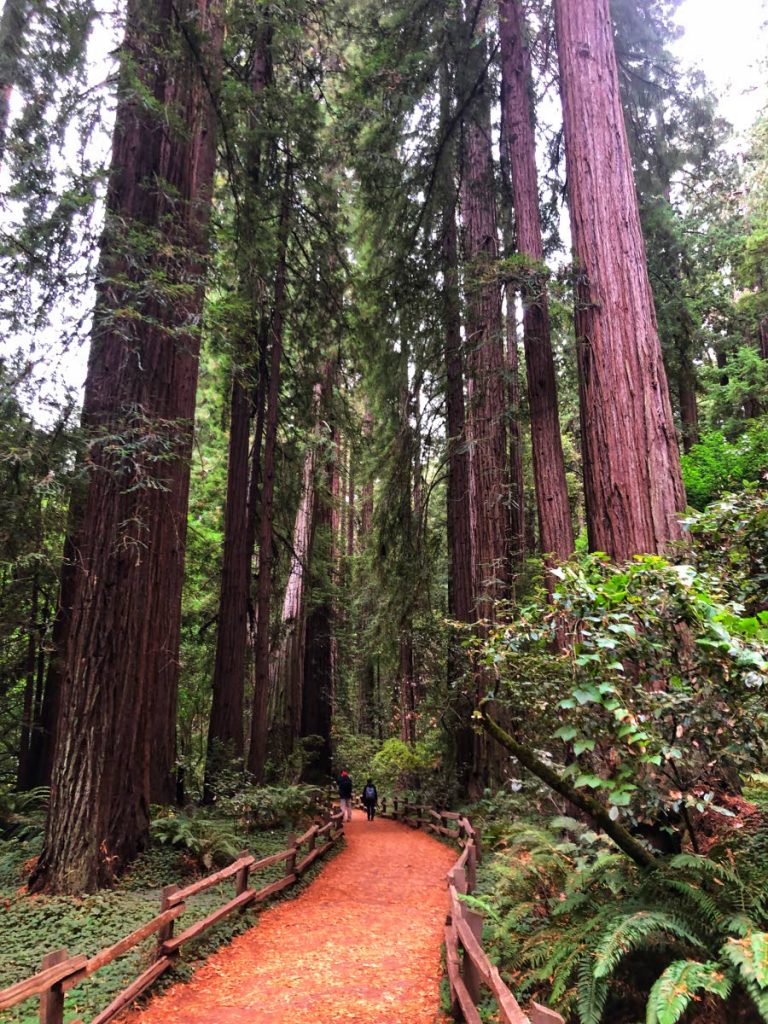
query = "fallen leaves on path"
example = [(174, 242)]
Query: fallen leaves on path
[(361, 944)]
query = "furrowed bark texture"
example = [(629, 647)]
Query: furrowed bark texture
[(518, 140), (257, 753), (485, 348), (225, 729), (632, 481), (460, 601), (288, 662), (122, 651), (319, 664)]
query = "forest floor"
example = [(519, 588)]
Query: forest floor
[(32, 926), (361, 944)]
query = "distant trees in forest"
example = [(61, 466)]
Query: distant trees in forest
[(312, 469)]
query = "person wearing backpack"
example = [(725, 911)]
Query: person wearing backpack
[(370, 799), (345, 796)]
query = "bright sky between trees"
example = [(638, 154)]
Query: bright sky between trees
[(728, 42)]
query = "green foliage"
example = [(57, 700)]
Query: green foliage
[(263, 807), (208, 841), (593, 935), (732, 548), (679, 984), (716, 465), (22, 815), (657, 696)]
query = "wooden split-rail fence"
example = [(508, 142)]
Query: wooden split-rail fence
[(469, 969), (61, 972)]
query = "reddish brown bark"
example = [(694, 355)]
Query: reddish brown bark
[(319, 655), (460, 601), (516, 475), (288, 662), (632, 481), (257, 753), (122, 654), (225, 729), (518, 140), (485, 347)]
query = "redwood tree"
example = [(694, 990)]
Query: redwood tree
[(122, 652), (257, 753), (519, 145), (484, 334), (632, 481)]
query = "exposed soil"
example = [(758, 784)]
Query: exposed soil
[(361, 944)]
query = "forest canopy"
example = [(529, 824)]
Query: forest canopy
[(424, 434)]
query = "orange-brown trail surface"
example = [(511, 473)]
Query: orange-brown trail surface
[(361, 944)]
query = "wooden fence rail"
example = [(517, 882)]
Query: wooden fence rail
[(468, 967), (61, 972)]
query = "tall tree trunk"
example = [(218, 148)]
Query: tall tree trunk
[(460, 602), (516, 475), (14, 25), (519, 143), (632, 481), (288, 662), (257, 753), (138, 407), (225, 728), (485, 360), (319, 667)]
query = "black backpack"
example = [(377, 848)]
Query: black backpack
[(369, 793)]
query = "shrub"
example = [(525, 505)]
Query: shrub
[(268, 806), (209, 841), (582, 927)]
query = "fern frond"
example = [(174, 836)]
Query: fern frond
[(705, 868), (591, 992), (634, 931), (676, 987), (749, 955)]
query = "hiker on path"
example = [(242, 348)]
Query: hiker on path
[(345, 796), (370, 798)]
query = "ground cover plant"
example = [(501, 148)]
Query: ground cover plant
[(184, 845)]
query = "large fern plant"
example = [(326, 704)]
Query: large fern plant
[(578, 924)]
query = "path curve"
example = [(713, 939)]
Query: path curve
[(360, 945)]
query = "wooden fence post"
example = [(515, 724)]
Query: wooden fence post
[(241, 878), (543, 1015), (52, 1001), (472, 868), (471, 975), (290, 864), (165, 932)]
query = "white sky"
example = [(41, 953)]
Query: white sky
[(728, 42)]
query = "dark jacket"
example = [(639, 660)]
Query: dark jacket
[(345, 787), (373, 800)]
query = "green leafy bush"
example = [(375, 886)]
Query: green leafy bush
[(22, 815), (208, 841), (267, 806), (731, 545), (717, 465), (580, 926)]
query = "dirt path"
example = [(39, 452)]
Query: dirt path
[(361, 944)]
